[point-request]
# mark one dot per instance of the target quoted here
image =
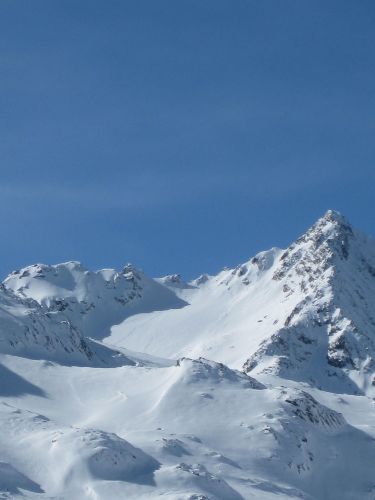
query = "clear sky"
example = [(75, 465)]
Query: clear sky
[(181, 135)]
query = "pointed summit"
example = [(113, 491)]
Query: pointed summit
[(130, 268), (333, 216), (330, 238), (332, 223)]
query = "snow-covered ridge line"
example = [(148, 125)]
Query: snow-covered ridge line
[(306, 312), (87, 302)]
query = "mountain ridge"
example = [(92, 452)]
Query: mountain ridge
[(319, 292)]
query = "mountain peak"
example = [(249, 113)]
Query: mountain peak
[(331, 236), (331, 222), (174, 281), (131, 271), (333, 216)]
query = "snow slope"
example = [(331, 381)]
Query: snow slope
[(193, 430), (254, 383)]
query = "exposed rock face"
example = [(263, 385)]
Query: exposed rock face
[(307, 409)]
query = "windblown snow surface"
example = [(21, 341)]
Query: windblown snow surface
[(254, 383)]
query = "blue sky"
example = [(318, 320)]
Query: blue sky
[(182, 136)]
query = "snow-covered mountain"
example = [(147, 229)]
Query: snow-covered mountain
[(330, 332), (254, 383), (92, 301)]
